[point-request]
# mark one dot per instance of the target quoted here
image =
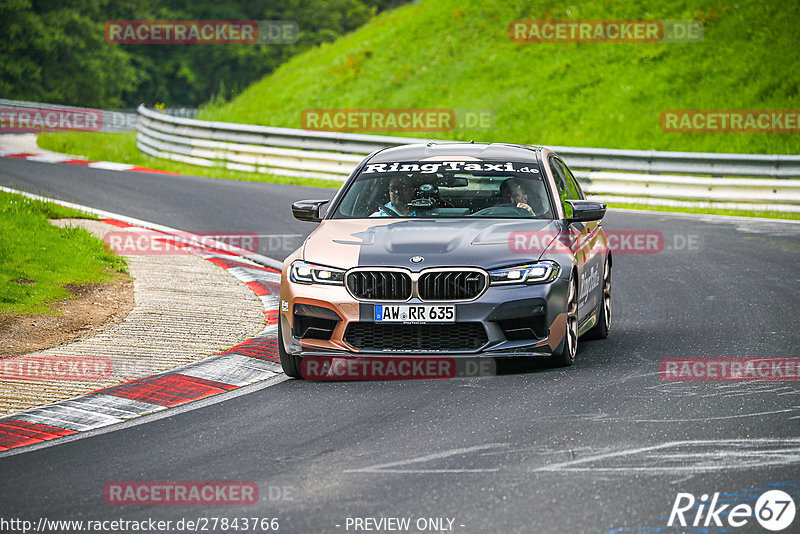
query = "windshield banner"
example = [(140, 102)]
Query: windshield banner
[(450, 166)]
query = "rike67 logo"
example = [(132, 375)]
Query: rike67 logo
[(774, 510)]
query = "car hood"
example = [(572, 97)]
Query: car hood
[(487, 243)]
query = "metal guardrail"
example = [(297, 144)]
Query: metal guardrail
[(648, 176)]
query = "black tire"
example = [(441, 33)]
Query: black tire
[(289, 362), (569, 346), (603, 326)]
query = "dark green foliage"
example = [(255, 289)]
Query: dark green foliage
[(54, 51)]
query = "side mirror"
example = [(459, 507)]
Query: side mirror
[(308, 210), (586, 210)]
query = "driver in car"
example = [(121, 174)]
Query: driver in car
[(512, 191), (401, 193)]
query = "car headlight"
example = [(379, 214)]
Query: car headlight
[(531, 273), (309, 273)]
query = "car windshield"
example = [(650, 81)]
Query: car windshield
[(506, 189)]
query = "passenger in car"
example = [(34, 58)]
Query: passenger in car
[(512, 191)]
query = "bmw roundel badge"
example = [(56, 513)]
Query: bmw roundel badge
[(417, 259)]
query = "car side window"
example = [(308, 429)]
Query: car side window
[(572, 182), (564, 192)]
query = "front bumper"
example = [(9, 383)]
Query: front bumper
[(518, 320)]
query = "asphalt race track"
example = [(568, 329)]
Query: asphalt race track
[(603, 446)]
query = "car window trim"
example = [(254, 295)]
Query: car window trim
[(335, 204)]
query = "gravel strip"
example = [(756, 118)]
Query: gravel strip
[(186, 309)]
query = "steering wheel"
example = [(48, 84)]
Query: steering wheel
[(503, 210), (529, 204), (388, 211)]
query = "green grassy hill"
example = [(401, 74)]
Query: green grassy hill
[(457, 54)]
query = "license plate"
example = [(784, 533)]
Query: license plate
[(414, 313)]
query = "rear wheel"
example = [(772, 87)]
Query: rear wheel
[(570, 344), (603, 326), (289, 362)]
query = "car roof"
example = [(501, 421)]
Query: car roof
[(483, 151)]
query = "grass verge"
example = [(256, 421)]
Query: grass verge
[(709, 211), (37, 259)]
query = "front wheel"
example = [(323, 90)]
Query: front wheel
[(570, 344), (289, 362)]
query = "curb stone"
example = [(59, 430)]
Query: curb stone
[(249, 362)]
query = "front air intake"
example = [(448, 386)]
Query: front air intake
[(451, 285), (379, 285)]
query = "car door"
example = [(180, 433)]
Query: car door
[(581, 235), (597, 245)]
